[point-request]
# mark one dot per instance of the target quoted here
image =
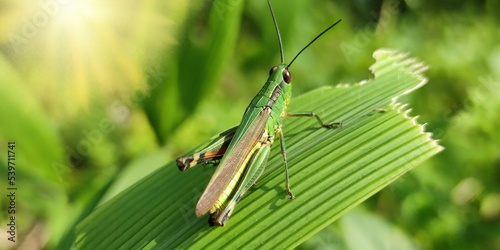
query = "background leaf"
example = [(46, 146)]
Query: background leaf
[(190, 72), (331, 172)]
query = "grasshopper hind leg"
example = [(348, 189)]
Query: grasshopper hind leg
[(210, 154), (252, 173)]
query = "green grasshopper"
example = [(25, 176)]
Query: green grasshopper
[(241, 152)]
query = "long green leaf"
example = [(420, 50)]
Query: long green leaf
[(331, 172)]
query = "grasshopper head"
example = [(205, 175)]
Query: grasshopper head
[(281, 78), (285, 73)]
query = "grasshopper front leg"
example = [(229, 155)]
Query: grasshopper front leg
[(312, 114), (283, 146)]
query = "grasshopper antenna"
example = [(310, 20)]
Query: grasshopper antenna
[(277, 32), (316, 38)]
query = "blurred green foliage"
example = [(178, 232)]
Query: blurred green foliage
[(97, 95)]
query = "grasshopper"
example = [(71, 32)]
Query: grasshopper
[(241, 152)]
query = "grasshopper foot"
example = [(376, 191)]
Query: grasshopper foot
[(332, 125)]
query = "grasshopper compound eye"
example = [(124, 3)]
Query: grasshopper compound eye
[(287, 76), (273, 69)]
